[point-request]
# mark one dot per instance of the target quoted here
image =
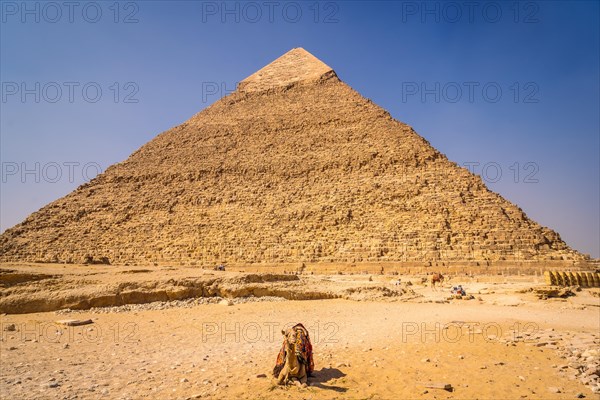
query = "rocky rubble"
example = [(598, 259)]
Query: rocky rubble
[(580, 352), (544, 293), (375, 293), (164, 305)]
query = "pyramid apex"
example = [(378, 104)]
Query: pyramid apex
[(295, 66)]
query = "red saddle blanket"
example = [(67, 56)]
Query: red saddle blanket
[(304, 351)]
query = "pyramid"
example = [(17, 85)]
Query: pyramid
[(294, 166)]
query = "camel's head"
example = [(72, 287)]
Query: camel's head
[(290, 337)]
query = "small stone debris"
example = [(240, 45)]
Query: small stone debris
[(261, 376), (75, 322), (553, 389), (183, 380), (425, 360), (438, 385), (163, 305), (580, 395), (66, 346), (582, 359)]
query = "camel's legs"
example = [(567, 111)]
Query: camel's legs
[(303, 380), (283, 376)]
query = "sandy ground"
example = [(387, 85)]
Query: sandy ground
[(508, 345)]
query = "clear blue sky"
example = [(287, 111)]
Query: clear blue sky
[(437, 66)]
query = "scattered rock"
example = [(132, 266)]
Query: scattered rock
[(436, 385), (75, 322), (550, 292)]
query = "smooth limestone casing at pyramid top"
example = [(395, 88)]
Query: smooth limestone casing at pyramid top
[(294, 166)]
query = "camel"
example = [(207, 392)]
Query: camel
[(293, 368), (436, 278)]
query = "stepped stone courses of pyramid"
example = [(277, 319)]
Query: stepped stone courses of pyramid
[(295, 166)]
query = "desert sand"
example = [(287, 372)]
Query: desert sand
[(372, 339)]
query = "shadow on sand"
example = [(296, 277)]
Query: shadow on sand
[(324, 375)]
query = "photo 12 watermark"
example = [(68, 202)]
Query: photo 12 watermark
[(455, 331), (471, 12), (517, 172), (493, 172), (470, 91), (271, 332), (252, 12), (49, 172), (212, 91), (70, 12), (69, 92), (55, 332)]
